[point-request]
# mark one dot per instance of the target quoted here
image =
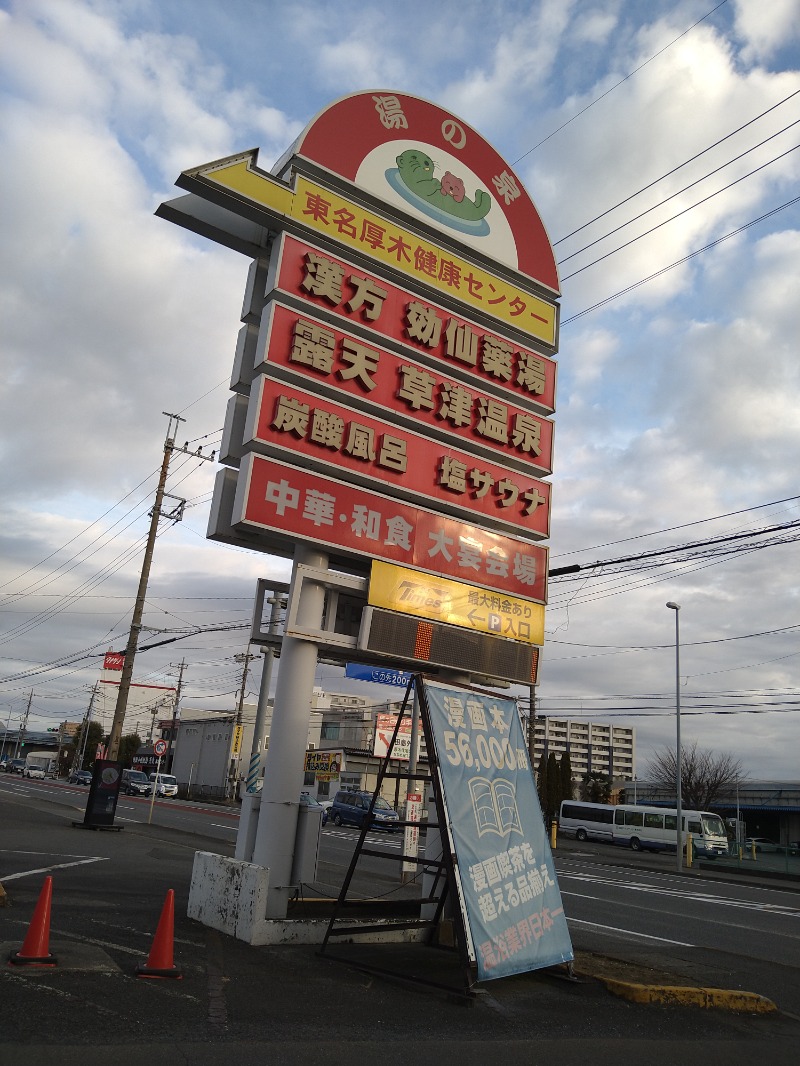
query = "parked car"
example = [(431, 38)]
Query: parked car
[(165, 784), (308, 800), (33, 771), (135, 783), (352, 808), (761, 844), (80, 777), (15, 766)]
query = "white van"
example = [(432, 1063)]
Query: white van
[(40, 764), (165, 784)]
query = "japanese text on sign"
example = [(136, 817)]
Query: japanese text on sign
[(436, 598), (389, 382), (509, 894), (388, 242), (334, 284), (351, 442), (366, 523)]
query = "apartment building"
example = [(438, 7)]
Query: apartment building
[(594, 747)]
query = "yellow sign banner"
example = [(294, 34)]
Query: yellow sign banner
[(326, 212), (424, 595), (236, 747), (325, 765)]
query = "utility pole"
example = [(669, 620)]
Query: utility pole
[(23, 727), (174, 727), (83, 735), (532, 728), (138, 610), (237, 729)]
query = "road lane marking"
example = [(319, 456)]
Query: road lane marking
[(699, 897), (630, 932), (56, 866), (66, 854)]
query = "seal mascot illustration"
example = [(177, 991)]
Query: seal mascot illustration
[(416, 172)]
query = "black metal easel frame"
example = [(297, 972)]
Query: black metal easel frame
[(444, 885)]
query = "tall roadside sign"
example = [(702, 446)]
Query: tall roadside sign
[(392, 387)]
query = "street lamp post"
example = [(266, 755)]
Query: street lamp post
[(676, 608)]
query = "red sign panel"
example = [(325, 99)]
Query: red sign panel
[(294, 423), (345, 364), (360, 297), (439, 162), (299, 504)]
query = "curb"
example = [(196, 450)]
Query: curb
[(687, 996)]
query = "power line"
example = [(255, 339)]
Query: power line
[(684, 644), (680, 166), (683, 525), (678, 262), (729, 538), (679, 214), (617, 85), (680, 192)]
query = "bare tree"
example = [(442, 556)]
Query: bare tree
[(705, 775)]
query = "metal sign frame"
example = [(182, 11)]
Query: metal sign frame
[(448, 880)]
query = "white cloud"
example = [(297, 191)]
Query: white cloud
[(766, 28), (676, 402)]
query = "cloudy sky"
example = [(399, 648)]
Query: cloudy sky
[(659, 142)]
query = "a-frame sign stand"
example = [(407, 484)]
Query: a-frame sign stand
[(494, 881), (443, 881)]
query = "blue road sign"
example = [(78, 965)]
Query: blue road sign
[(380, 674)]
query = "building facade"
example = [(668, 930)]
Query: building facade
[(594, 747)]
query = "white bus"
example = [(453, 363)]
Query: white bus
[(642, 828)]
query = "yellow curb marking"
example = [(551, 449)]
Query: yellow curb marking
[(679, 995)]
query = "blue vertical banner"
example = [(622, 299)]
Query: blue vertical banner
[(509, 893)]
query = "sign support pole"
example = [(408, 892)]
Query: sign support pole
[(155, 787), (280, 796), (251, 800)]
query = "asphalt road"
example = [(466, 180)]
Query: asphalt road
[(287, 1005)]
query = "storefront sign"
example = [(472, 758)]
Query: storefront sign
[(508, 891), (286, 422), (289, 504), (447, 341), (452, 602), (347, 368), (384, 728), (314, 208), (380, 675), (325, 765)]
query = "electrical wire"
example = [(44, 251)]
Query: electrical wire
[(678, 215), (680, 192), (617, 84), (680, 166), (679, 262)]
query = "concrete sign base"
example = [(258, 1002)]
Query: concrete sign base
[(231, 896)]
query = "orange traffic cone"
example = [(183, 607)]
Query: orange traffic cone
[(36, 949), (160, 960)]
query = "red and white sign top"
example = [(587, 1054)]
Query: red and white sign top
[(426, 162)]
